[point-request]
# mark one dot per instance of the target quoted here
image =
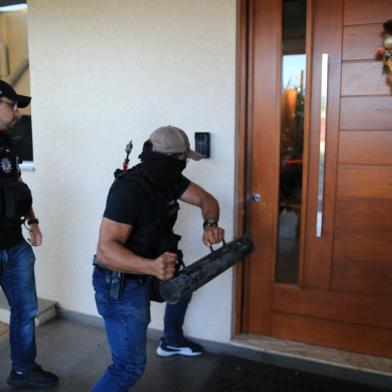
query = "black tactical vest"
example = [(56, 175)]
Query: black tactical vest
[(15, 196), (156, 235)]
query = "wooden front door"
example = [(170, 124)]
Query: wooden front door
[(340, 290)]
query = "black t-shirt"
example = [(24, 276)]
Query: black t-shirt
[(129, 203), (9, 235)]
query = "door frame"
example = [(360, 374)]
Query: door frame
[(241, 310), (245, 120), (245, 74)]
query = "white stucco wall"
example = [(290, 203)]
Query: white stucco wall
[(104, 72)]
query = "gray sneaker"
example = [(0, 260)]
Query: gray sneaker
[(187, 348)]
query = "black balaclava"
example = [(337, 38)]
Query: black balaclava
[(165, 171)]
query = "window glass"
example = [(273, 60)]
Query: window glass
[(14, 69), (291, 142)]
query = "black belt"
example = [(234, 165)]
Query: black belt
[(110, 272), (116, 280)]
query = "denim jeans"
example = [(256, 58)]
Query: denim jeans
[(126, 320), (174, 320), (18, 282)]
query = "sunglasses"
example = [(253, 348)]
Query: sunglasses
[(13, 105)]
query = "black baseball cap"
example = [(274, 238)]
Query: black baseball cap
[(7, 91)]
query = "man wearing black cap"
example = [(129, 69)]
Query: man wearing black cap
[(136, 238), (16, 255)]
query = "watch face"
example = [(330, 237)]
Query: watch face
[(210, 222)]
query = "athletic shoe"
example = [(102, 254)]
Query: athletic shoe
[(187, 348), (35, 378)]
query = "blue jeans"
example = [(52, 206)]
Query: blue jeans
[(174, 320), (126, 320), (18, 282)]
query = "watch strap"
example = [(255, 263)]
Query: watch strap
[(210, 222)]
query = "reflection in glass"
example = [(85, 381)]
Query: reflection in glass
[(291, 143)]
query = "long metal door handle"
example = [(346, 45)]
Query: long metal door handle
[(323, 129)]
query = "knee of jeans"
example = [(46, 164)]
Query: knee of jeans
[(132, 373), (26, 311)]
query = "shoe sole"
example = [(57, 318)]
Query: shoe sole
[(183, 351), (24, 384)]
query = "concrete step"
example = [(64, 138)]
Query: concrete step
[(46, 310)]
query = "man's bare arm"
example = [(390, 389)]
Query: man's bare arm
[(34, 230), (209, 206), (112, 253), (197, 196)]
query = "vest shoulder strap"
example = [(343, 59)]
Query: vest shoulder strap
[(137, 178)]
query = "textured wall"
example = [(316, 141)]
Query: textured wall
[(103, 72)]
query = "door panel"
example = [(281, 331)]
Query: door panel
[(364, 277), (366, 11), (356, 181), (329, 333), (363, 232), (359, 41), (327, 22), (350, 307), (265, 122), (353, 82), (343, 295), (366, 113), (365, 147)]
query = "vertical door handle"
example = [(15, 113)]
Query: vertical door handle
[(323, 129)]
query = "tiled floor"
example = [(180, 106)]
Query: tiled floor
[(79, 354)]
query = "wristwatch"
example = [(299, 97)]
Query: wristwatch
[(33, 221), (210, 222)]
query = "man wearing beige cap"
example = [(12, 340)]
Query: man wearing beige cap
[(137, 246)]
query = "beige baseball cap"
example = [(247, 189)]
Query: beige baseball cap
[(172, 140)]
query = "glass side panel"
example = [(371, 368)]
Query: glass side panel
[(293, 86)]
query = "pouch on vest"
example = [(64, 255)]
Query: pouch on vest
[(15, 196)]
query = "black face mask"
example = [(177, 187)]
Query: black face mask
[(164, 171)]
